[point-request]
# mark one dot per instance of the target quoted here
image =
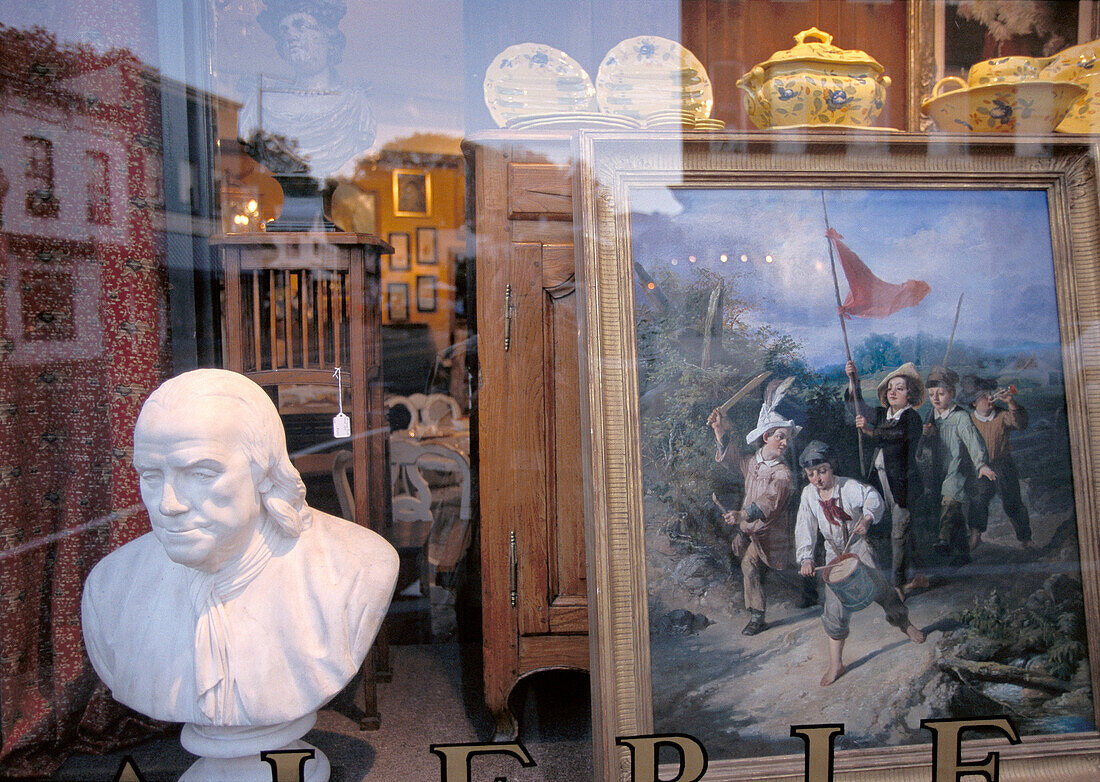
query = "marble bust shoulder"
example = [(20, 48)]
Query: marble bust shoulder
[(243, 607)]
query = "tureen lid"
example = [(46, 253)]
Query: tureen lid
[(820, 50)]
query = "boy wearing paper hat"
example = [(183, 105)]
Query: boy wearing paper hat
[(765, 516)]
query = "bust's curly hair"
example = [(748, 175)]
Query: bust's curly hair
[(327, 13), (262, 437)]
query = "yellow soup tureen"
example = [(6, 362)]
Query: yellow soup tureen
[(815, 83)]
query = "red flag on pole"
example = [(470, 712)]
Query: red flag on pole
[(868, 296)]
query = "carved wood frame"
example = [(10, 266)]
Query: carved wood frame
[(610, 164)]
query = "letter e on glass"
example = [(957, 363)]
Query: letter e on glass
[(455, 758), (947, 765)]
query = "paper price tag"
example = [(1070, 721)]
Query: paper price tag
[(341, 426)]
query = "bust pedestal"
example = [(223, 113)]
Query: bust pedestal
[(232, 754)]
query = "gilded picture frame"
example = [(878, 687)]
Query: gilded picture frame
[(632, 191), (412, 193)]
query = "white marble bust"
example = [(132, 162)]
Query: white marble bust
[(244, 610), (331, 121)]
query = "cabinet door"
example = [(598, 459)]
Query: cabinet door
[(550, 539)]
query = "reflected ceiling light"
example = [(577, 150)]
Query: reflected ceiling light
[(651, 286), (691, 258), (673, 261), (723, 257), (744, 258), (768, 259)]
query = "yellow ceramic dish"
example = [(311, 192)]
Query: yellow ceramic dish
[(1084, 115), (814, 83), (1007, 69), (1074, 63), (1028, 107)]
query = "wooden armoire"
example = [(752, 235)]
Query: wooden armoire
[(534, 592)]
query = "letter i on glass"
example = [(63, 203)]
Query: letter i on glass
[(341, 424)]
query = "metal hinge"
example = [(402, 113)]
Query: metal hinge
[(508, 314), (513, 566)]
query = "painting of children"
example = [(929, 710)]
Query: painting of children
[(731, 526)]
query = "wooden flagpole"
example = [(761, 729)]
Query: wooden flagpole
[(955, 325), (856, 395)]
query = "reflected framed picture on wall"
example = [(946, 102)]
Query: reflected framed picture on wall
[(425, 292), (426, 251), (412, 193), (399, 261), (397, 302)]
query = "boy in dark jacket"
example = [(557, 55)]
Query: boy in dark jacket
[(895, 429)]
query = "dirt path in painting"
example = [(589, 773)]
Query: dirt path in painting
[(740, 695)]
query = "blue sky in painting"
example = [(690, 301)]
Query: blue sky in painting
[(993, 246)]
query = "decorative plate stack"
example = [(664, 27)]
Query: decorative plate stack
[(531, 80), (683, 119), (648, 75), (642, 82), (572, 121)]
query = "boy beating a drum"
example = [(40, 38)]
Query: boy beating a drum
[(842, 510)]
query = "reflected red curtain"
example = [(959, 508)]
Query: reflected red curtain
[(83, 343)]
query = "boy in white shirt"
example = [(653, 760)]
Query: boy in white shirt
[(842, 510)]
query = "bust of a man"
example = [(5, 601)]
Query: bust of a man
[(331, 122), (244, 610)]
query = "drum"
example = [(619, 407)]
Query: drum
[(850, 581)]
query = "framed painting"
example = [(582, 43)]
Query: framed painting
[(946, 37), (427, 252), (718, 391), (399, 260), (397, 302), (426, 292), (412, 193)]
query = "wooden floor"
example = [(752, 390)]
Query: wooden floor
[(427, 702)]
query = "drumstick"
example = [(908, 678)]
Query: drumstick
[(721, 507), (851, 540)]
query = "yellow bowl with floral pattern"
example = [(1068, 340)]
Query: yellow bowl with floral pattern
[(814, 83), (1026, 107)]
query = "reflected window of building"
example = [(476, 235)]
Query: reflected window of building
[(97, 184), (41, 201)]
